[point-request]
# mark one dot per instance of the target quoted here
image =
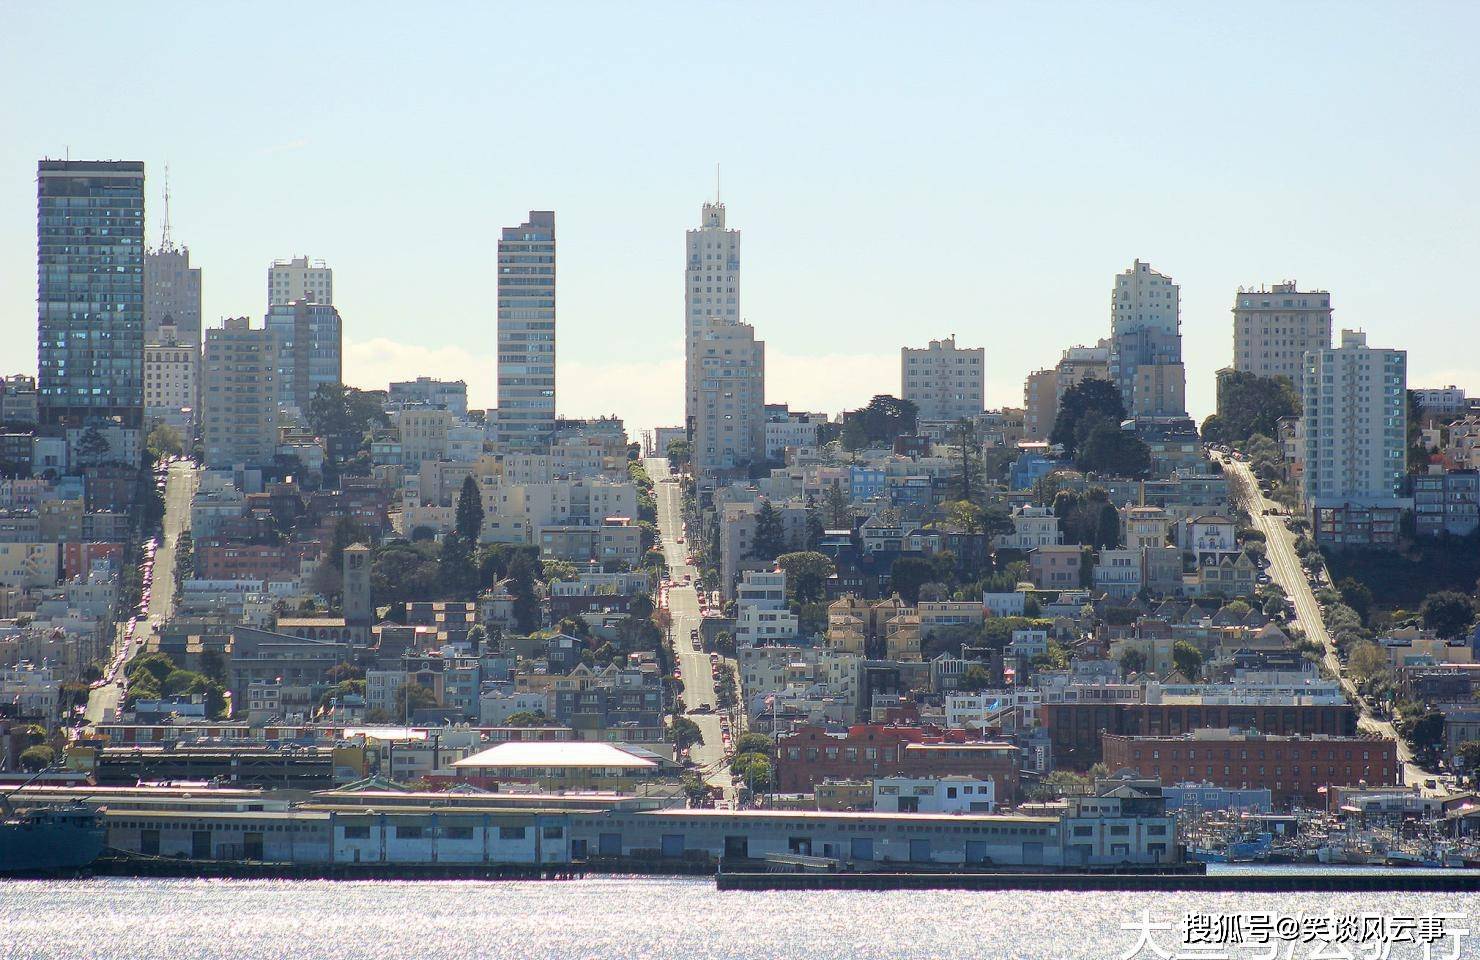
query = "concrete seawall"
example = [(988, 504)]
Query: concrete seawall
[(1414, 881)]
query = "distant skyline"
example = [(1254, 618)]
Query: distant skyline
[(900, 174)]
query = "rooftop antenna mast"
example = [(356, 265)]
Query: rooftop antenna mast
[(164, 232)]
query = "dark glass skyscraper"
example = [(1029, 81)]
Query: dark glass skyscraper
[(90, 291)]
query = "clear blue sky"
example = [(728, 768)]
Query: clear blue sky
[(900, 172)]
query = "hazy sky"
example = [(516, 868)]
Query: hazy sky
[(900, 172)]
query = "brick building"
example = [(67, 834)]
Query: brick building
[(811, 755), (1074, 728), (1296, 770)]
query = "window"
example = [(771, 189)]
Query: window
[(511, 833), (408, 833), (357, 833)]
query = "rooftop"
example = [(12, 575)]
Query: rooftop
[(560, 753)]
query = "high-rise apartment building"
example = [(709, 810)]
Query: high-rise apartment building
[(1040, 403), (942, 381), (730, 425), (171, 380), (310, 349), (90, 291), (526, 332), (240, 416), (711, 292), (172, 290), (299, 279), (1146, 343), (1354, 402), (1274, 329)]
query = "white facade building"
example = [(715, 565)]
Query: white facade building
[(1274, 329), (1032, 527), (942, 381), (952, 794), (171, 380), (526, 332), (1146, 343), (299, 279), (711, 291), (761, 616), (1355, 412)]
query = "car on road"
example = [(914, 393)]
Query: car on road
[(693, 634), (703, 708)]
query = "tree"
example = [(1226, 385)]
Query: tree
[(164, 441), (685, 733), (1110, 450), (1085, 400), (343, 416), (522, 569), (469, 523), (37, 757), (1357, 595), (413, 697), (679, 454), (976, 677), (93, 447), (1448, 613), (806, 574), (1366, 660), (1468, 753), (1188, 659), (1132, 661), (908, 575), (526, 718), (969, 454), (836, 507), (884, 419), (770, 538), (347, 532), (1424, 732), (816, 528), (1249, 404), (752, 742), (456, 572)]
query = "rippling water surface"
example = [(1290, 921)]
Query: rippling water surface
[(118, 919)]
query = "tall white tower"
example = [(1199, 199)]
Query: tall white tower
[(711, 293)]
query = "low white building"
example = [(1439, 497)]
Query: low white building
[(952, 794), (1032, 527)]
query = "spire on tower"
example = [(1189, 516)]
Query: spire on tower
[(164, 233)]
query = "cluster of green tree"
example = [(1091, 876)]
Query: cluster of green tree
[(1088, 518), (36, 753), (885, 419), (1088, 427), (647, 502), (807, 572), (679, 454), (164, 441), (184, 557), (154, 675), (726, 693), (754, 762), (1249, 404), (684, 732), (1403, 578), (346, 417), (410, 698)]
